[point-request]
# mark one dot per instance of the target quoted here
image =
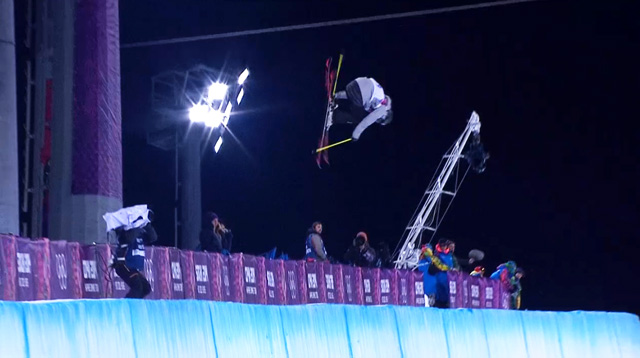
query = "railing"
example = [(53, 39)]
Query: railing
[(43, 269)]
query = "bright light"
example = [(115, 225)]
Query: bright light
[(217, 91), (214, 119), (240, 95), (227, 114), (218, 144), (199, 113), (243, 76)]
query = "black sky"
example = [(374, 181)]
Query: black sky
[(554, 83)]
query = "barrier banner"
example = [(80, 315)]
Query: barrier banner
[(254, 279), (505, 296), (150, 272), (203, 270), (236, 277), (276, 286), (162, 274), (8, 268), (418, 289), (95, 271), (227, 278), (352, 277), (316, 288), (61, 268), (455, 290), (301, 272), (176, 284), (334, 282), (75, 252), (388, 287), (216, 277), (486, 293), (463, 290), (475, 297), (292, 284), (188, 274), (24, 262), (42, 268), (119, 288), (371, 285), (404, 279)]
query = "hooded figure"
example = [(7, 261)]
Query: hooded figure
[(362, 103), (360, 253), (130, 253), (214, 236), (314, 246)]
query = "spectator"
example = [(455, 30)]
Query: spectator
[(360, 253), (441, 261), (214, 236), (384, 256), (510, 274), (129, 262), (314, 246), (477, 272), (428, 280)]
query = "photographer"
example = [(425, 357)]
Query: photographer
[(215, 237), (361, 254), (130, 252)]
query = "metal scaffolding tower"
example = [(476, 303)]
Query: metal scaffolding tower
[(429, 213)]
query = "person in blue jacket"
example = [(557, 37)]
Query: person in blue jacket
[(428, 280), (314, 246), (130, 254), (441, 262)]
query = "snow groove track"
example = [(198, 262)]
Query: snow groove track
[(190, 328)]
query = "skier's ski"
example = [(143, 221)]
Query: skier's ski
[(331, 78)]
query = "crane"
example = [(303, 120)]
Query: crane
[(429, 215)]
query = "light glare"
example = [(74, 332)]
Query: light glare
[(217, 91), (240, 95), (213, 119), (216, 148), (227, 114), (199, 113), (243, 76)]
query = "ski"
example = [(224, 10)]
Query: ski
[(330, 79)]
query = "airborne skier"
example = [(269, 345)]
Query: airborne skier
[(362, 103)]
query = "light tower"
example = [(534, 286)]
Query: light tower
[(194, 108)]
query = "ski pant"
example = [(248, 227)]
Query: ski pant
[(139, 287), (350, 110)]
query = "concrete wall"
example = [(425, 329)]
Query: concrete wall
[(9, 197), (86, 164)]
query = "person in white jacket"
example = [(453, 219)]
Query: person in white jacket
[(362, 103)]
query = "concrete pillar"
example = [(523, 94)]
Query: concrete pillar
[(86, 168), (9, 197), (190, 190)]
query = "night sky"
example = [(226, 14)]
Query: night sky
[(554, 83)]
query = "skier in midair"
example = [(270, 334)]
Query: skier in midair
[(362, 103)]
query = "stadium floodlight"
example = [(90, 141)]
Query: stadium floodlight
[(218, 144), (243, 76), (240, 95), (213, 119), (199, 113), (217, 91), (227, 114)]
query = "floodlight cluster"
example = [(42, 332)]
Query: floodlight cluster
[(209, 110)]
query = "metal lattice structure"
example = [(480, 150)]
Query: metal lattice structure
[(440, 193)]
